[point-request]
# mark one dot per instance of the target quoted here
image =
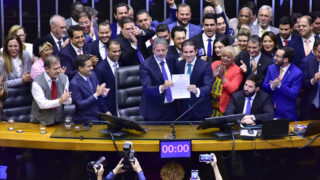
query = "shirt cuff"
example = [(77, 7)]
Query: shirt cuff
[(198, 92), (95, 96), (160, 90), (174, 6), (218, 9), (311, 82), (133, 46)]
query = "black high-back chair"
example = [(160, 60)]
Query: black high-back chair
[(18, 104), (129, 92)]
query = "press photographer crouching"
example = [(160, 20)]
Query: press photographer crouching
[(127, 163)]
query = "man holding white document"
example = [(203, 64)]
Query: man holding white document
[(157, 103), (200, 86)]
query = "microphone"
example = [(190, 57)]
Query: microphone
[(97, 163), (173, 136)]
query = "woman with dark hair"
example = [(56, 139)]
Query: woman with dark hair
[(15, 62), (269, 44), (218, 44)]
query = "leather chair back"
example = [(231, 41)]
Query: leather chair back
[(129, 92), (18, 104)]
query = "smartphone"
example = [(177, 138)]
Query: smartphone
[(194, 174), (205, 158)]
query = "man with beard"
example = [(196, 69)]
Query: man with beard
[(283, 82), (98, 47), (121, 10), (252, 101), (184, 16), (57, 36)]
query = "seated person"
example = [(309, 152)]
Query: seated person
[(252, 101), (86, 91), (50, 92), (118, 170)]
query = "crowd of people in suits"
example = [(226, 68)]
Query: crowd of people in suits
[(76, 62)]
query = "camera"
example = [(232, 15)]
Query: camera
[(127, 155), (205, 158), (97, 163)]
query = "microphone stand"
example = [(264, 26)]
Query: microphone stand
[(173, 132)]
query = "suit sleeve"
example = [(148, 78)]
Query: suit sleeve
[(232, 85), (307, 76), (266, 86), (267, 109), (78, 100), (66, 62), (207, 82), (292, 90), (102, 100), (146, 82), (231, 108)]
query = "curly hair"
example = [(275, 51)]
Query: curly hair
[(172, 171)]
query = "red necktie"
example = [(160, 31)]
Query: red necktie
[(286, 42), (54, 90), (79, 51), (151, 41)]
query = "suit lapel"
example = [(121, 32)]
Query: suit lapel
[(194, 74), (84, 83), (155, 67), (255, 103)]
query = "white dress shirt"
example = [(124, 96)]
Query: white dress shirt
[(111, 64), (76, 49), (283, 40), (246, 102), (205, 39), (102, 50), (57, 40), (73, 22), (118, 29), (186, 72), (41, 100), (187, 30), (17, 65), (311, 42)]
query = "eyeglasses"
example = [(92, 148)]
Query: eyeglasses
[(84, 23)]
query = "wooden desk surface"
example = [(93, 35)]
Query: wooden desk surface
[(31, 138)]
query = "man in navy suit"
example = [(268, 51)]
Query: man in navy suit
[(285, 32), (120, 10), (86, 91), (283, 82), (310, 108), (155, 76), (98, 47), (105, 71), (132, 41), (57, 36), (76, 47), (201, 81), (183, 18), (303, 45), (90, 32), (178, 35)]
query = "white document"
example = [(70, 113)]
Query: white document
[(180, 84)]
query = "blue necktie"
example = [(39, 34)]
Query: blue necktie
[(139, 55), (189, 71), (248, 108), (60, 46), (105, 49), (89, 84), (209, 50), (165, 77)]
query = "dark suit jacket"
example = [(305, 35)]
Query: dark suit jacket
[(310, 69), (152, 102), (82, 96), (284, 98), (261, 107), (172, 51), (68, 57), (94, 49), (193, 29), (199, 44), (263, 64), (47, 38), (293, 37), (129, 55), (201, 76), (113, 27), (104, 74)]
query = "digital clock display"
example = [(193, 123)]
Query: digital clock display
[(175, 149)]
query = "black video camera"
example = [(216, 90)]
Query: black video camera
[(127, 155)]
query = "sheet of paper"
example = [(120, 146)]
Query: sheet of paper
[(180, 84)]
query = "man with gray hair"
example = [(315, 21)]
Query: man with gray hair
[(155, 76), (264, 19), (50, 93), (57, 36)]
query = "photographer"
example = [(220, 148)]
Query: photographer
[(118, 170), (215, 167)]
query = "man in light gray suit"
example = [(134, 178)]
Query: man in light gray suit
[(264, 19)]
